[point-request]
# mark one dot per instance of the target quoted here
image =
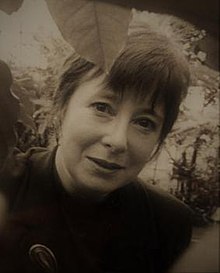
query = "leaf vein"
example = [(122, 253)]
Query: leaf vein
[(99, 33)]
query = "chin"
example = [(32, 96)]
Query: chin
[(100, 185)]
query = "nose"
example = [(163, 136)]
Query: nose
[(116, 138)]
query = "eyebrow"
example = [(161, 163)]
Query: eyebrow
[(107, 94), (150, 111)]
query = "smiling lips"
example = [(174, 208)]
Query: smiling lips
[(105, 164)]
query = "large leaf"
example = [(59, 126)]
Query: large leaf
[(9, 110), (97, 30)]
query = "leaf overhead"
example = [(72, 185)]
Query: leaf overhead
[(97, 30)]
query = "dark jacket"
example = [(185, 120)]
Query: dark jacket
[(138, 228)]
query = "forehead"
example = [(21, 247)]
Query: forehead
[(96, 89)]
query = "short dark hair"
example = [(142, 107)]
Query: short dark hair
[(149, 65)]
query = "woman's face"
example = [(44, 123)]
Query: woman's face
[(105, 141)]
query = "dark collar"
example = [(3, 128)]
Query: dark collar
[(40, 194)]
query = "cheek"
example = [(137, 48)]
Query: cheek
[(141, 150), (79, 130)]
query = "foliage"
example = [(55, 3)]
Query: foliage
[(96, 29), (195, 165), (35, 89), (9, 109), (197, 173)]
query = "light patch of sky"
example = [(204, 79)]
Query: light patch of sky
[(18, 34), (194, 101), (197, 112)]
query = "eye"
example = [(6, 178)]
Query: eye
[(146, 124), (103, 107)]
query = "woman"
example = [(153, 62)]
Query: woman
[(81, 208)]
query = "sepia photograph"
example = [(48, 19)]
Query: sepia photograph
[(109, 136)]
